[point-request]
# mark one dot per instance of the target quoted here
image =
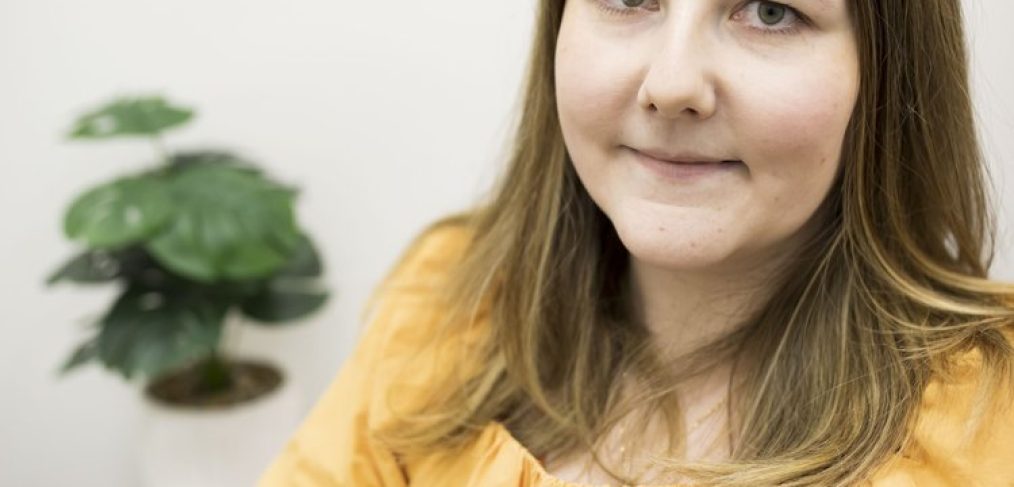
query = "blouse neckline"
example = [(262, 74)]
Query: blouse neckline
[(506, 438)]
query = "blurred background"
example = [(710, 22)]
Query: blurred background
[(387, 115)]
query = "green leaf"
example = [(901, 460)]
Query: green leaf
[(90, 267), (188, 160), (130, 116), (149, 332), (119, 213), (291, 293), (229, 223), (86, 352), (304, 262), (276, 305)]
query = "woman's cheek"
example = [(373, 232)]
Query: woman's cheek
[(798, 125), (590, 93), (792, 142)]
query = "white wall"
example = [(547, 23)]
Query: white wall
[(992, 46), (389, 114)]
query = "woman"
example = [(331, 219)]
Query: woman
[(738, 243)]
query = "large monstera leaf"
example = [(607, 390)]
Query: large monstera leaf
[(119, 213), (293, 292), (140, 116), (149, 332), (228, 223)]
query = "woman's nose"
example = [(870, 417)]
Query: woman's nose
[(680, 79)]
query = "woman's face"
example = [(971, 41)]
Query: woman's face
[(770, 86)]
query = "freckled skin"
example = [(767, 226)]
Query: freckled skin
[(692, 77)]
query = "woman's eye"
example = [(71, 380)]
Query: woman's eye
[(771, 14), (625, 7), (771, 17), (764, 16)]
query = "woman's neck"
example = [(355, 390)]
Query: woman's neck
[(686, 310)]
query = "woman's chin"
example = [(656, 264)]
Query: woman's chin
[(684, 252)]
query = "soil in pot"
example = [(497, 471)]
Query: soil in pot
[(215, 384)]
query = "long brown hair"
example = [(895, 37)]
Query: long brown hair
[(892, 284)]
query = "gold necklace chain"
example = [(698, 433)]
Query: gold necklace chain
[(707, 415), (697, 423), (690, 429)]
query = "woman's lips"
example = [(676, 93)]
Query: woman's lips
[(684, 170)]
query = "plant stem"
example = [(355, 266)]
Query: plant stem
[(215, 376), (234, 328)]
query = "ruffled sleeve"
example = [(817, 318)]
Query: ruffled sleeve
[(334, 445)]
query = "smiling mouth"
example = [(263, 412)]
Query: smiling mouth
[(684, 159), (687, 168)]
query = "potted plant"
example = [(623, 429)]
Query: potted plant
[(200, 239)]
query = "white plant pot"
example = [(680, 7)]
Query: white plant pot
[(193, 447)]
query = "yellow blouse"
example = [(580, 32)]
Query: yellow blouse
[(334, 447)]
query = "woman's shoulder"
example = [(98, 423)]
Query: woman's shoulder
[(388, 370), (418, 277), (407, 330), (427, 260), (412, 297), (961, 436)]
